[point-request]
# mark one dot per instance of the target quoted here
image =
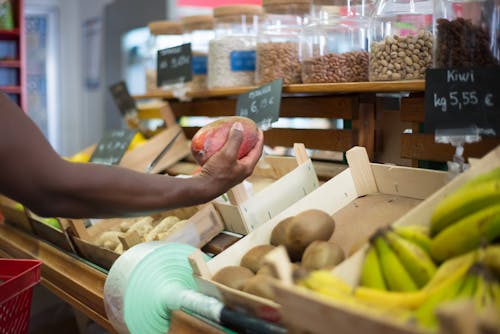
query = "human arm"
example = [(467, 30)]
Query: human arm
[(33, 174)]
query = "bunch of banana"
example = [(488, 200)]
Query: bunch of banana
[(397, 260), (477, 285), (467, 218)]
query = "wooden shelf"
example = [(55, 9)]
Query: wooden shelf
[(10, 34), (11, 89), (10, 63), (351, 87)]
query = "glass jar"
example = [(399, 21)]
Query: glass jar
[(467, 33), (278, 40), (231, 54), (401, 39), (334, 46), (199, 31), (163, 34)]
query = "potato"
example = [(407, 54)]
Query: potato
[(278, 235), (109, 239), (254, 258), (142, 226), (233, 276), (166, 224), (322, 255), (306, 227), (259, 285)]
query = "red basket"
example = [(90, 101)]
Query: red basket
[(17, 279)]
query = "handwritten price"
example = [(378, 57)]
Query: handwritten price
[(462, 100)]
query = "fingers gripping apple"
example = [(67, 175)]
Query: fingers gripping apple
[(212, 137)]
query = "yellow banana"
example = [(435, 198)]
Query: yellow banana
[(395, 274), (450, 270), (425, 314), (463, 202), (469, 286), (491, 175), (371, 273), (351, 301), (391, 299), (324, 279), (483, 295), (467, 234), (491, 258), (414, 259), (418, 234)]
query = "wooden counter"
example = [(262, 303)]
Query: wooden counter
[(78, 283)]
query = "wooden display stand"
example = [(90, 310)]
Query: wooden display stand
[(349, 198), (360, 107)]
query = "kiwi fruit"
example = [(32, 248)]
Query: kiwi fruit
[(322, 255), (259, 285), (306, 227), (279, 232), (233, 276), (254, 258)]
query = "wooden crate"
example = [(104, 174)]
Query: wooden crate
[(278, 183), (203, 224), (304, 311), (139, 158), (15, 214), (46, 232), (361, 198)]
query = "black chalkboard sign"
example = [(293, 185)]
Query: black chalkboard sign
[(262, 105), (112, 146), (462, 98), (174, 65), (122, 98)]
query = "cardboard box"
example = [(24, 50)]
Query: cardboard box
[(350, 198)]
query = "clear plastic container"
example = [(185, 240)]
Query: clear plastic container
[(199, 31), (164, 34), (334, 46), (401, 39), (467, 33), (231, 55), (278, 40)]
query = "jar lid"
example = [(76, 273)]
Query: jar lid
[(237, 10), (284, 2), (294, 7), (165, 28), (198, 22), (333, 2)]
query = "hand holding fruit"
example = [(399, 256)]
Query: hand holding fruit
[(230, 165)]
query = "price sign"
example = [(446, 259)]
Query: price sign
[(462, 98), (262, 105), (122, 98), (174, 65), (112, 146)]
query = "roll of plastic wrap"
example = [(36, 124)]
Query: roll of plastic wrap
[(145, 284)]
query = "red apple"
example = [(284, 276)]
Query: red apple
[(212, 137)]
